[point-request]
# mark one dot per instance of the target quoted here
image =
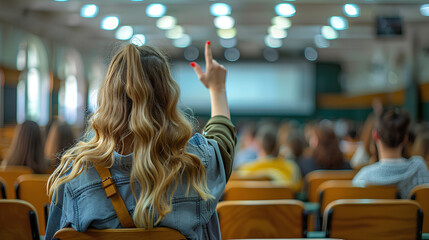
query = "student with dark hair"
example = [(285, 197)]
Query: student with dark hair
[(60, 138), (326, 152), (390, 135), (27, 148)]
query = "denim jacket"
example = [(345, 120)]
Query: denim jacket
[(82, 202)]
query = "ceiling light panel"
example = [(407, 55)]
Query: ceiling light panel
[(220, 9), (351, 10), (338, 23), (166, 22), (285, 9), (281, 22), (89, 11), (110, 23), (124, 33), (156, 10), (138, 40), (224, 22)]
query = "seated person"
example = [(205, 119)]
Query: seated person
[(326, 153), (390, 136), (269, 164), (165, 176)]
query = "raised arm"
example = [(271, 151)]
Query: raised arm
[(214, 80), (219, 127)]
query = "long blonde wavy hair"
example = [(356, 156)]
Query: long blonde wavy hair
[(138, 107)]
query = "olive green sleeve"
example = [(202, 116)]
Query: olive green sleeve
[(221, 129)]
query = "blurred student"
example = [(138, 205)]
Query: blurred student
[(421, 146), (269, 164), (366, 151), (164, 175), (390, 136), (60, 137), (326, 153), (247, 150), (27, 148)]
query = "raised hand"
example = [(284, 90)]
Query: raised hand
[(215, 75)]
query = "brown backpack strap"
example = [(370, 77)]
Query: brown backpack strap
[(117, 201)]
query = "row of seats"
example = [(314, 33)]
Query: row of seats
[(349, 219), (343, 219), (32, 188)]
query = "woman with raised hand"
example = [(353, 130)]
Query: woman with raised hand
[(165, 176)]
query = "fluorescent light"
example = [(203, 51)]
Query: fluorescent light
[(227, 33), (224, 22), (191, 53), (281, 22), (329, 33), (166, 22), (175, 32), (351, 10), (271, 55), (338, 23), (276, 32), (155, 10), (61, 0), (220, 9), (285, 9), (110, 23), (182, 42), (424, 10), (273, 42), (138, 40), (89, 11), (124, 33)]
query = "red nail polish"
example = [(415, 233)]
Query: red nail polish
[(192, 64), (208, 42)]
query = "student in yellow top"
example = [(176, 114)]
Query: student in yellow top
[(269, 164)]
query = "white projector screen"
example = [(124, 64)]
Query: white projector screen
[(283, 88)]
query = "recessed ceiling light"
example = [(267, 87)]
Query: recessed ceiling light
[(166, 22), (110, 23), (224, 22), (182, 42), (89, 11), (276, 32), (124, 33), (285, 9), (232, 54), (175, 32), (273, 42), (338, 23), (321, 42), (271, 55), (424, 10), (228, 43), (281, 22), (61, 0), (329, 33), (155, 10), (351, 10), (227, 33), (138, 40), (310, 54), (220, 9)]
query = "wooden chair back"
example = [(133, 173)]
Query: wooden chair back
[(262, 219), (315, 178), (121, 233), (373, 219), (18, 220), (332, 190), (10, 174), (256, 190), (237, 177), (2, 189), (420, 193), (32, 188)]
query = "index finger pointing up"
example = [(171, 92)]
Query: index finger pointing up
[(209, 57)]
